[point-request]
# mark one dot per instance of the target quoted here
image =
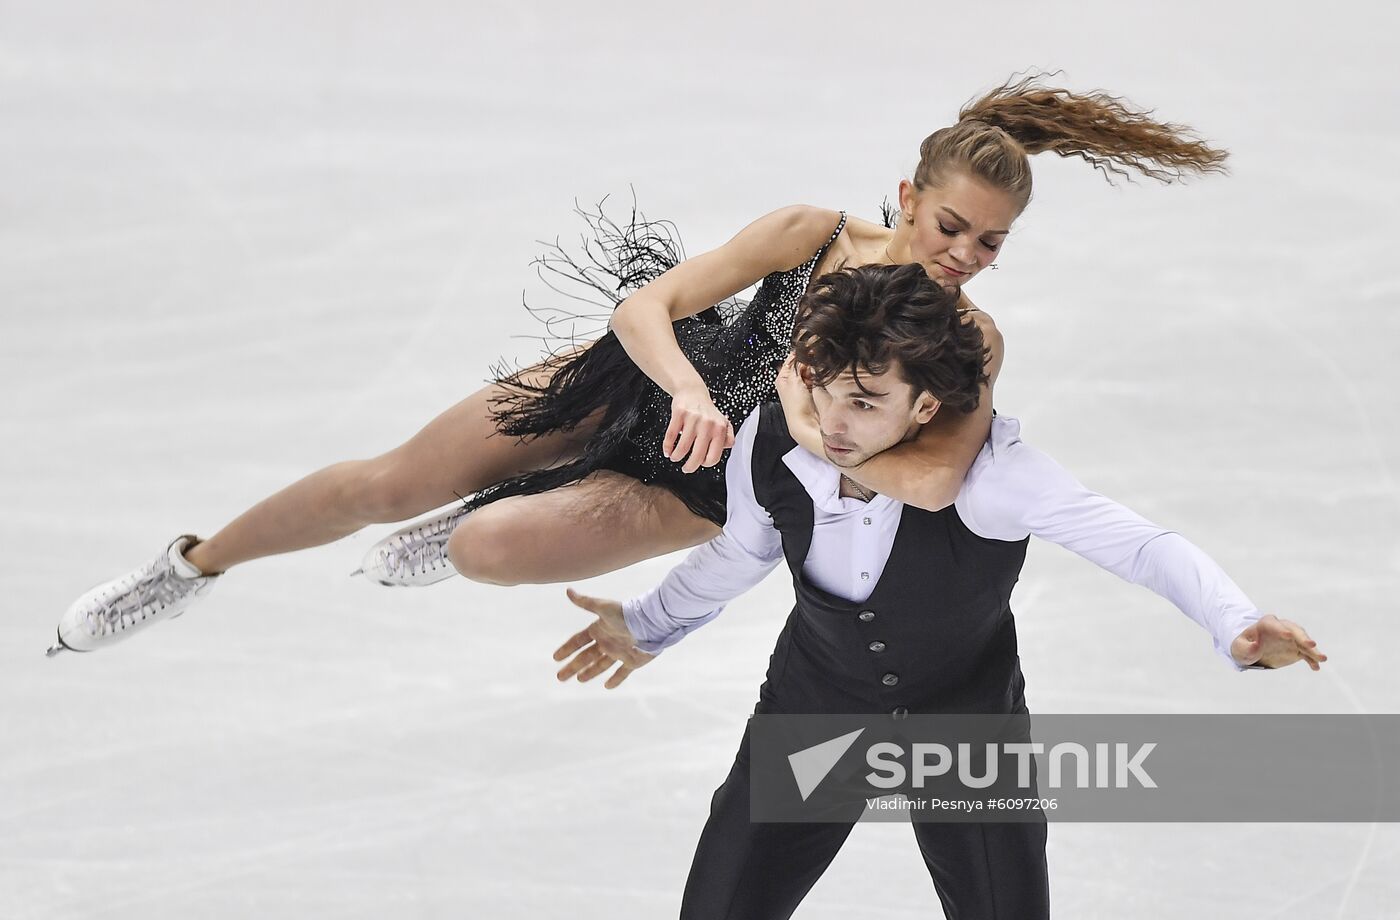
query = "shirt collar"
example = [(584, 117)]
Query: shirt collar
[(822, 480)]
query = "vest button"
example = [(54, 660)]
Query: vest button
[(900, 712), (866, 616), (889, 680), (877, 646)]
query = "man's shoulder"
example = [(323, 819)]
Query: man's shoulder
[(993, 494), (1003, 447), (766, 423), (761, 435), (1008, 470), (1005, 457), (769, 417), (761, 445)]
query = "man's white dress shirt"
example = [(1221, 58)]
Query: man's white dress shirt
[(1012, 491)]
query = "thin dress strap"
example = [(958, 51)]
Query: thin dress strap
[(812, 263), (840, 225)]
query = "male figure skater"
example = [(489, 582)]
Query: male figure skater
[(898, 610)]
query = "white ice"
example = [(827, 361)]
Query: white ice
[(239, 242)]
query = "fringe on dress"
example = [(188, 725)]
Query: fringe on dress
[(583, 379), (736, 347)]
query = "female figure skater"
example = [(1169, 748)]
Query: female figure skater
[(609, 453)]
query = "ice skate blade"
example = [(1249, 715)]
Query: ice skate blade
[(58, 646)]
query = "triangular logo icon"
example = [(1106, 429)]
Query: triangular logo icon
[(811, 765)]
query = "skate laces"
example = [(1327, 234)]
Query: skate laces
[(421, 548), (158, 587)]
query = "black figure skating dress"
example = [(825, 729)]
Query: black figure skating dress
[(737, 347)]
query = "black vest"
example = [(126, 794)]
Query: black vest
[(935, 636)]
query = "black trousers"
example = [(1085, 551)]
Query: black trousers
[(753, 871)]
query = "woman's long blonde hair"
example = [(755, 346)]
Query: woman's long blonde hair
[(996, 134)]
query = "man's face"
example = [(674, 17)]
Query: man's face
[(858, 422)]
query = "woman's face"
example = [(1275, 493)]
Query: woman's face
[(958, 227)]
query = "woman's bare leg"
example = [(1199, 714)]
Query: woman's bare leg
[(456, 453), (602, 523)]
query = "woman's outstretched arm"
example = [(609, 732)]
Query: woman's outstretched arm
[(699, 433), (928, 470)]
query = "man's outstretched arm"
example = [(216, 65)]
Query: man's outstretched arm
[(693, 593), (1015, 490)]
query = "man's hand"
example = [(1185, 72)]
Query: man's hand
[(597, 648), (801, 413), (1275, 643)]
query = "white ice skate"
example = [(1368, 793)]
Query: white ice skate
[(159, 590), (415, 555)]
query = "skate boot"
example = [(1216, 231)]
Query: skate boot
[(415, 555), (159, 590)]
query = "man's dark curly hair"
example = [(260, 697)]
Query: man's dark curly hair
[(867, 318)]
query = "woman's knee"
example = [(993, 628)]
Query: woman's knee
[(485, 547)]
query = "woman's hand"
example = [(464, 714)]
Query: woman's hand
[(801, 413), (699, 433)]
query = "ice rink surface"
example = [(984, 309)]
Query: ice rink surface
[(240, 242)]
